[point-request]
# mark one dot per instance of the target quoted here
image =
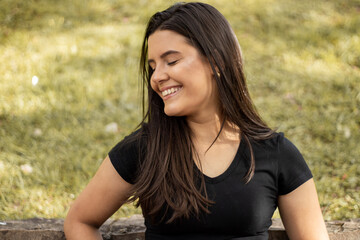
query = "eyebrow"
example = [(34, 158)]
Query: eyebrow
[(162, 56)]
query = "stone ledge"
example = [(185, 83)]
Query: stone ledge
[(133, 229)]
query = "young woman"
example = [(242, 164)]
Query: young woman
[(203, 165)]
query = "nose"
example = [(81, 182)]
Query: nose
[(159, 75)]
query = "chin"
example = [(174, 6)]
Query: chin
[(172, 113)]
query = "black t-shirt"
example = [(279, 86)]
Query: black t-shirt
[(241, 211)]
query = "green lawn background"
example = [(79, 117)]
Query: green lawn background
[(302, 61)]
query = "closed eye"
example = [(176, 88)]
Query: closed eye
[(172, 63)]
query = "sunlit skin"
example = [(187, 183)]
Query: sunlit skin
[(177, 64)]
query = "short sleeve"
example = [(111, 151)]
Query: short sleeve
[(292, 168), (125, 158)]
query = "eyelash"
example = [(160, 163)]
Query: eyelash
[(169, 63), (173, 62)]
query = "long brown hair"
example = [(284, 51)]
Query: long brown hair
[(167, 178)]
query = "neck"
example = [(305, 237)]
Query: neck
[(205, 130)]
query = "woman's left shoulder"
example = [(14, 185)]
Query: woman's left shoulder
[(278, 143), (292, 169)]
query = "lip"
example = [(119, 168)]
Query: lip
[(171, 94)]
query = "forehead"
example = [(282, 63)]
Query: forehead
[(163, 40)]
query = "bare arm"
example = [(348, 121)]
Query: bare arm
[(301, 214), (103, 196)]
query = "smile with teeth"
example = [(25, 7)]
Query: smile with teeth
[(170, 91)]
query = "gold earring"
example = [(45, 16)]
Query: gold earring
[(218, 74)]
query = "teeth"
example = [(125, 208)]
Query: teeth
[(169, 91)]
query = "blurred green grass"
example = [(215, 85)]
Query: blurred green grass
[(302, 60)]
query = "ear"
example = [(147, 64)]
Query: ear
[(217, 63), (213, 69)]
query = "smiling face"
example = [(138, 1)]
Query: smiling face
[(182, 77)]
